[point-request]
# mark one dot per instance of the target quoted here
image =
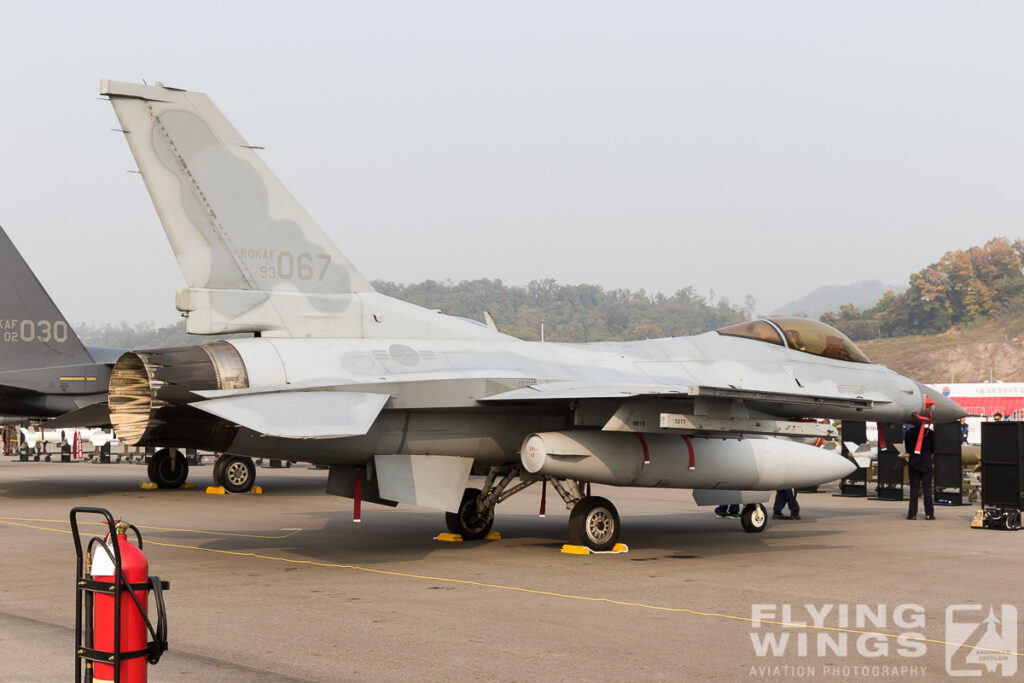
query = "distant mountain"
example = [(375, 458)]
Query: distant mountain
[(863, 295), (569, 313), (143, 335)]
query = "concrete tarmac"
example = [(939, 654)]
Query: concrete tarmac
[(284, 586)]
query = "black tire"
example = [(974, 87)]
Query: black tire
[(218, 469), (594, 523), (754, 518), (237, 473), (167, 472), (468, 522)]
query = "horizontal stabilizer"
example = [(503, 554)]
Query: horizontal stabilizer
[(93, 415), (300, 414), (430, 481)]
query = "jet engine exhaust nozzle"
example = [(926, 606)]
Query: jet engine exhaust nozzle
[(150, 393)]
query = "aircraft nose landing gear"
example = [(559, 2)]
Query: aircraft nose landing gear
[(754, 518)]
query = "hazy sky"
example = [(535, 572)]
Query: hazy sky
[(761, 148)]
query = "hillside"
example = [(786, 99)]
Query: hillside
[(993, 351), (830, 297)]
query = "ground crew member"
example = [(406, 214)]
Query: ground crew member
[(784, 497), (728, 511), (921, 469)]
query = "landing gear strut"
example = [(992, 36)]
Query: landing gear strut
[(593, 521), (167, 470), (473, 521), (476, 512), (236, 473)]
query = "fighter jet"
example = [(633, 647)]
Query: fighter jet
[(45, 370), (404, 404)]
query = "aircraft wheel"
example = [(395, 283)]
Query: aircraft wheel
[(594, 522), (469, 522), (754, 518), (218, 469), (237, 473), (167, 472)]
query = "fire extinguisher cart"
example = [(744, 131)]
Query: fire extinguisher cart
[(112, 588)]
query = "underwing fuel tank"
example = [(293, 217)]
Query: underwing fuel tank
[(672, 461), (150, 392)]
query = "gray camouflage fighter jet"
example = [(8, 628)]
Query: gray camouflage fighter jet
[(404, 403), (45, 370)]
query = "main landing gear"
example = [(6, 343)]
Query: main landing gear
[(236, 473), (593, 521), (168, 468)]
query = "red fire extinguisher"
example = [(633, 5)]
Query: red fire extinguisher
[(114, 624)]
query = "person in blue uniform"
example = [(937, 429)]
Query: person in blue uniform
[(784, 497), (921, 469)]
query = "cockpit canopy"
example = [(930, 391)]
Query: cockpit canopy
[(801, 334)]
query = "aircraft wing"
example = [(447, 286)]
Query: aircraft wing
[(578, 390), (13, 390)]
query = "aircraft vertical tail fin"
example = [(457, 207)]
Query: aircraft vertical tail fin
[(33, 332), (253, 259)]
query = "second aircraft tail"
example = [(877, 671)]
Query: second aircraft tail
[(33, 332)]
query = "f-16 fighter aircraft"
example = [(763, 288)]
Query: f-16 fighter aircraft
[(45, 370), (404, 403)]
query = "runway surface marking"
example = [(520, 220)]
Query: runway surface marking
[(19, 522)]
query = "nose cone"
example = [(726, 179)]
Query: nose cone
[(943, 408)]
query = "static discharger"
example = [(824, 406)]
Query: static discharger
[(584, 550)]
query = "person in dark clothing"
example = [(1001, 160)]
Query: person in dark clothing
[(921, 469), (728, 511), (785, 497)]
